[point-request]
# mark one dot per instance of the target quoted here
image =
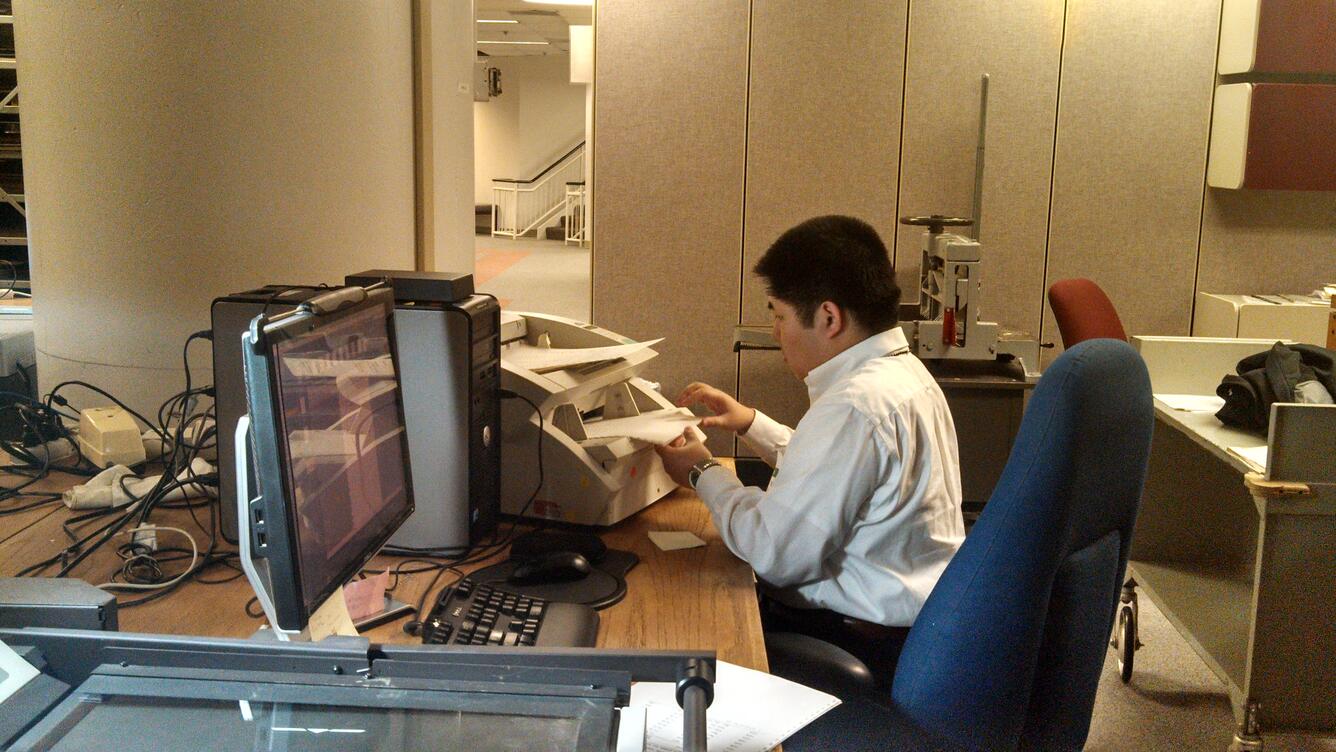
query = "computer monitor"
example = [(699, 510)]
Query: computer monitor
[(328, 447)]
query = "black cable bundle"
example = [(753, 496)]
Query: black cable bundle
[(185, 433)]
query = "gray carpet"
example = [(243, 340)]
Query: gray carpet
[(1174, 702), (551, 278)]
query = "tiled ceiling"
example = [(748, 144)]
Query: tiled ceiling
[(534, 23)]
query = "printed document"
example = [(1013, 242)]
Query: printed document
[(752, 711)]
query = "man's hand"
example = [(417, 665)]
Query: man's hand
[(728, 412), (678, 457)]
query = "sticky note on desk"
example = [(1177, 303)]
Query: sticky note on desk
[(672, 540)]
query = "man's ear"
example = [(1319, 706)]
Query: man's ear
[(830, 319)]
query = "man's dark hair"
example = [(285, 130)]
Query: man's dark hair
[(835, 258)]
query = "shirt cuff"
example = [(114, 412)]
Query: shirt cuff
[(766, 435), (714, 483)]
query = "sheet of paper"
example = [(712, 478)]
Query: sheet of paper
[(366, 597), (631, 729), (736, 722), (539, 359), (1192, 403), (656, 426), (331, 619), (1255, 456), (14, 672), (673, 540)]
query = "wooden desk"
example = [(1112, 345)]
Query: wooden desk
[(701, 598)]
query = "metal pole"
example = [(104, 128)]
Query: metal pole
[(978, 156), (693, 720)]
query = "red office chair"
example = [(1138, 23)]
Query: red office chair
[(1083, 312)]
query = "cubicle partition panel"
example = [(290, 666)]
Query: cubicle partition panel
[(1020, 47), (823, 125), (670, 111), (833, 149), (1130, 155)]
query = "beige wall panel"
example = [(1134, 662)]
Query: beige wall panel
[(1267, 241), (1133, 124), (823, 131), (669, 116), (951, 44)]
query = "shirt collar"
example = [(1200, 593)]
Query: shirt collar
[(820, 379)]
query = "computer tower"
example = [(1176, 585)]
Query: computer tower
[(231, 315), (450, 368)]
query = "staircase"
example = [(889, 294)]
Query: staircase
[(520, 207)]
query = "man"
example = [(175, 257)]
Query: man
[(863, 512)]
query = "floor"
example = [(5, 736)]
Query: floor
[(1174, 702), (542, 276)]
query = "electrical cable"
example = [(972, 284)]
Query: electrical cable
[(194, 557), (13, 276)]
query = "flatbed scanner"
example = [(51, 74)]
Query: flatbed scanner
[(585, 481)]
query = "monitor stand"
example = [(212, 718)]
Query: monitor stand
[(257, 570)]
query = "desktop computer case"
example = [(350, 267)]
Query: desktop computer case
[(450, 368)]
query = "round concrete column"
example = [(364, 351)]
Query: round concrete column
[(177, 151)]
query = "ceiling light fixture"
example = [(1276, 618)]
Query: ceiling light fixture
[(497, 41), (498, 20)]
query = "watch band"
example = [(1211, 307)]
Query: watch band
[(700, 467)]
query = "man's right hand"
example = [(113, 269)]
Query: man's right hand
[(728, 412)]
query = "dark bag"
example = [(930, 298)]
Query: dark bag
[(1269, 377)]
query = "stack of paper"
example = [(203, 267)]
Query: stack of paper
[(540, 359), (656, 426), (736, 721)]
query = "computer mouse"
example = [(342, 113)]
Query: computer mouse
[(539, 542), (557, 566)]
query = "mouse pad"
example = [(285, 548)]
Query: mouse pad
[(602, 587)]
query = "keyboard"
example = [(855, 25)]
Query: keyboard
[(472, 613)]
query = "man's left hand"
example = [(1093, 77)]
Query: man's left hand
[(678, 457)]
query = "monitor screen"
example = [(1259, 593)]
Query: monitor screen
[(343, 450)]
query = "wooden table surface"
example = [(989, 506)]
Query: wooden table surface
[(700, 598)]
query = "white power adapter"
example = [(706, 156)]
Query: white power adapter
[(108, 436)]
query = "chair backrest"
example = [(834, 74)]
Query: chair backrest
[(1007, 651), (1083, 312)]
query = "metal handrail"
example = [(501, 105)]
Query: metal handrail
[(517, 209)]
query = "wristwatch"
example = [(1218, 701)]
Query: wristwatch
[(694, 475)]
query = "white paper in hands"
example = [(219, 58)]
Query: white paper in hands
[(539, 359), (656, 427)]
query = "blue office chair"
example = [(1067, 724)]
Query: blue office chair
[(1007, 652)]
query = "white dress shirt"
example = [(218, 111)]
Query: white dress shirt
[(863, 512)]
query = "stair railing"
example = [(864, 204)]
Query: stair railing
[(575, 213), (521, 206)]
